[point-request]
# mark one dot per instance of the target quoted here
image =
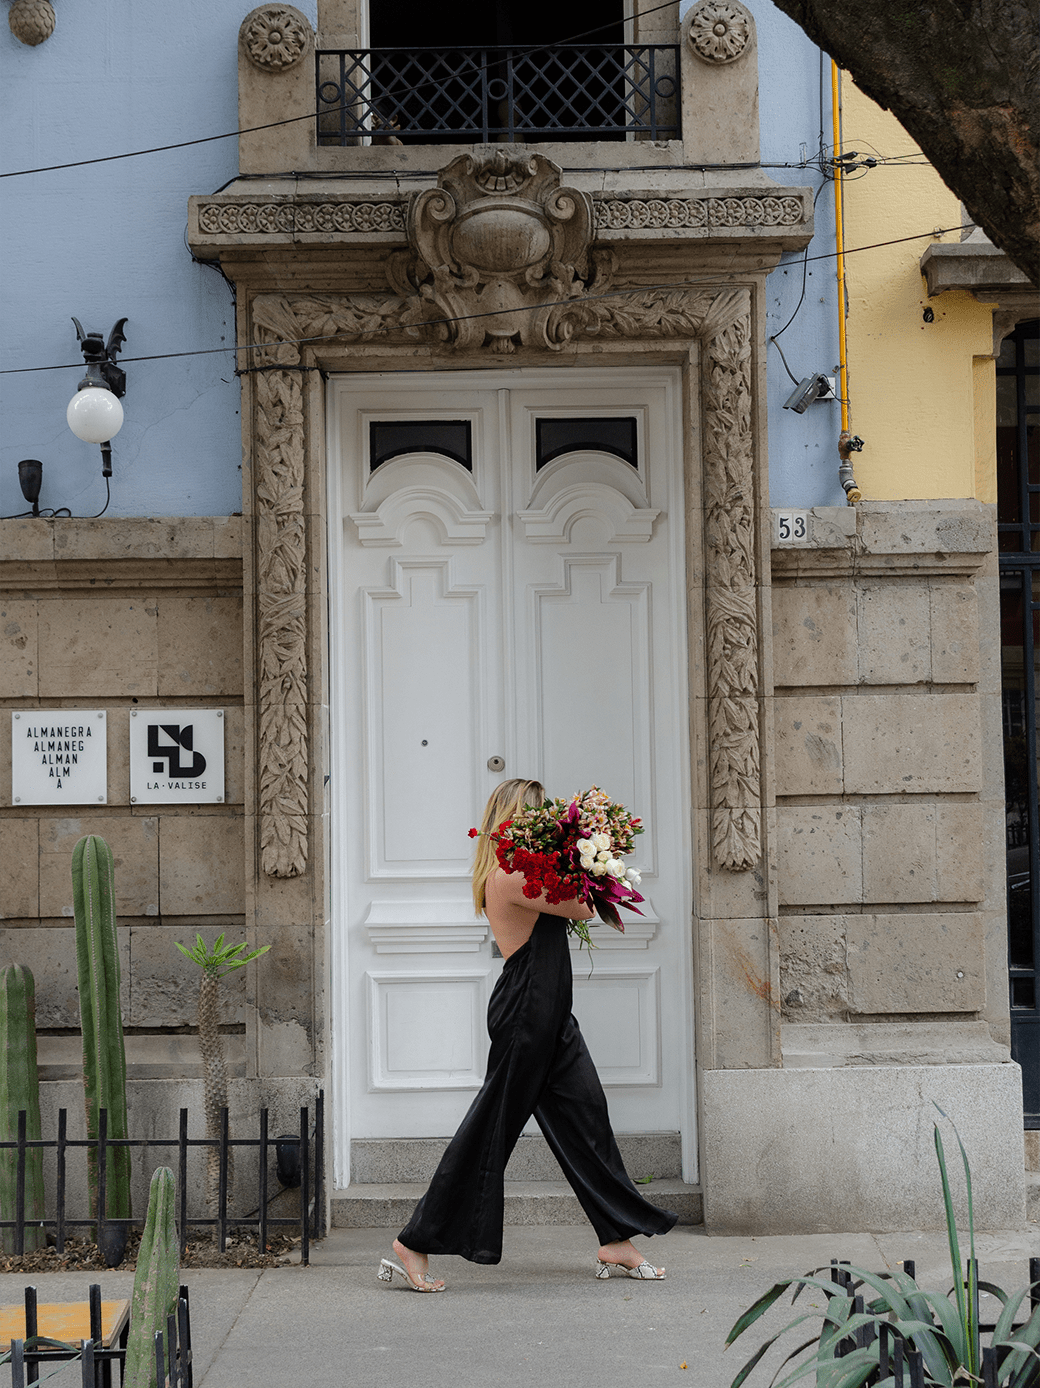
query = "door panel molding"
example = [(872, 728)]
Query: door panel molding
[(425, 1029), (422, 609)]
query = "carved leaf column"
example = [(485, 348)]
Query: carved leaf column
[(281, 560), (732, 610)]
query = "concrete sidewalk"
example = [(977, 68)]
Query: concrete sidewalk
[(540, 1317)]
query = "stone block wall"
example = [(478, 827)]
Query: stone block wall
[(122, 615), (888, 842), (888, 771)]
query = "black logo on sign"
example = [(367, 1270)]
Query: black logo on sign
[(182, 741)]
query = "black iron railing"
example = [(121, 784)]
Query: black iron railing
[(304, 1150), (564, 91), (900, 1363), (173, 1359)]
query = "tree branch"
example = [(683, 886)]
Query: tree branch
[(963, 79)]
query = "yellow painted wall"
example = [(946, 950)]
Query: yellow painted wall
[(922, 395)]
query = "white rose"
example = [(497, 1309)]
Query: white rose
[(634, 877), (598, 869), (601, 841), (616, 867), (603, 856)]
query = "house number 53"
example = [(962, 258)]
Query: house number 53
[(792, 527)]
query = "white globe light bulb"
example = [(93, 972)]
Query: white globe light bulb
[(94, 415)]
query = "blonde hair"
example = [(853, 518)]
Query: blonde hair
[(503, 803)]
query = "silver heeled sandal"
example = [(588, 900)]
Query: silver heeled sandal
[(387, 1268), (645, 1272)]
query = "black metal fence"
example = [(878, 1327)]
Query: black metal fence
[(309, 1145), (173, 1366), (898, 1361), (564, 91)]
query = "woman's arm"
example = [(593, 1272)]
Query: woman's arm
[(509, 891)]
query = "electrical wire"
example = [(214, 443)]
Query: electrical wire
[(524, 50), (48, 513), (801, 300), (467, 317)]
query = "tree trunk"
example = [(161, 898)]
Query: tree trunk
[(963, 79), (214, 1068)]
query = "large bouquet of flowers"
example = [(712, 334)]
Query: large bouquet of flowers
[(574, 848)]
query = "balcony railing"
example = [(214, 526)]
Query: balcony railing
[(473, 95)]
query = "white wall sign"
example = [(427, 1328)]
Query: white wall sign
[(59, 756), (176, 756)]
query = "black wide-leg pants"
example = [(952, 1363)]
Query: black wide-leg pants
[(538, 1064)]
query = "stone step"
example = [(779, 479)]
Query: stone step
[(377, 1161), (389, 1206)]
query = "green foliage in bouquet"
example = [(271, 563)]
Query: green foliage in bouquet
[(857, 1338)]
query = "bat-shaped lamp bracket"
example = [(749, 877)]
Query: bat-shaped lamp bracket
[(100, 358)]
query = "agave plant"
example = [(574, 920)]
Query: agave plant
[(871, 1323)]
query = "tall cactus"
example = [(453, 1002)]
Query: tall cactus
[(215, 963), (155, 1282), (20, 1089), (104, 1055)]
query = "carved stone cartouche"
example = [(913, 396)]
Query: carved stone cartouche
[(494, 250)]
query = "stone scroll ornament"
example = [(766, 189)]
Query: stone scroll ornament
[(454, 290)]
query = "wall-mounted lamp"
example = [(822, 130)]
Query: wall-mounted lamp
[(95, 414), (30, 479)]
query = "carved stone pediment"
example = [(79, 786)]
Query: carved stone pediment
[(495, 252)]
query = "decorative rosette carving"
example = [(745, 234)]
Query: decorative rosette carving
[(31, 21), (618, 214), (275, 37), (720, 31)]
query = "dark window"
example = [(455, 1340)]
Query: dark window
[(556, 436), (452, 437), (1018, 517)]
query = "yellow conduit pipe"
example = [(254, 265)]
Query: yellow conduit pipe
[(843, 366), (845, 446)]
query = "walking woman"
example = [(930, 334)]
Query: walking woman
[(538, 1065)]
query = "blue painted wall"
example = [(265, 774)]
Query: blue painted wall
[(105, 241), (803, 448)]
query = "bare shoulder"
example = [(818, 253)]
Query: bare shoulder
[(509, 913), (507, 888)]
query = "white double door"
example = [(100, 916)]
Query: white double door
[(508, 587)]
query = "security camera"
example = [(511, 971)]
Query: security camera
[(814, 387)]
